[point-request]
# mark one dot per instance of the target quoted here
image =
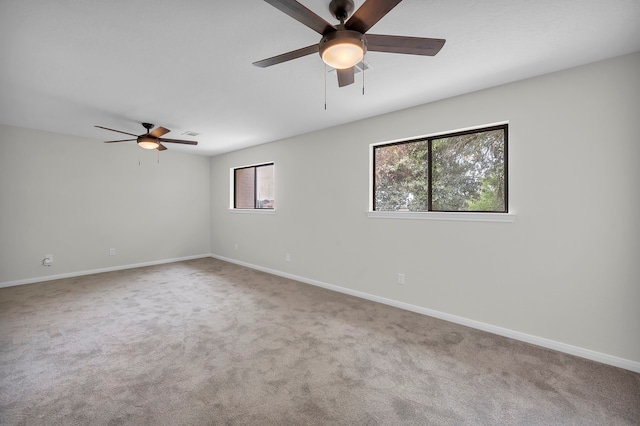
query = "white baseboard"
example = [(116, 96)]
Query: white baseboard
[(98, 271), (538, 341)]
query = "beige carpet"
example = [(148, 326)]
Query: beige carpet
[(207, 342)]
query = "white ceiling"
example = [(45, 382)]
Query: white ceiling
[(67, 65)]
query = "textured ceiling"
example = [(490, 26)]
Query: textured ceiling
[(67, 65)]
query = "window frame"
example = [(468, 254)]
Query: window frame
[(233, 188), (493, 216)]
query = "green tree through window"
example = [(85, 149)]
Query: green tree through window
[(464, 171)]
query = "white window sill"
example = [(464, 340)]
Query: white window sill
[(253, 211), (460, 216)]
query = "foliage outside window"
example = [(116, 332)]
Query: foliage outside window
[(253, 187), (457, 172)]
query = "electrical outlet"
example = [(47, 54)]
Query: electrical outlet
[(400, 279), (112, 252), (235, 246), (287, 257)]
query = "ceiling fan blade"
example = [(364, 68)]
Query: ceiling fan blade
[(114, 130), (121, 140), (178, 141), (294, 54), (407, 45), (303, 15), (369, 14), (161, 147), (159, 131), (345, 76)]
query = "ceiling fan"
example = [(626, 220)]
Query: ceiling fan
[(343, 46), (150, 140)]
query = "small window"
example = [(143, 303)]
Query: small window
[(457, 172), (253, 187)]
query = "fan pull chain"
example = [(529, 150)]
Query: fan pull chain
[(363, 67), (138, 156), (325, 86), (158, 156)]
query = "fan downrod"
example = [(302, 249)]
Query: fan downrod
[(341, 9), (147, 126)]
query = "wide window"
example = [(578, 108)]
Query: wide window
[(253, 187), (457, 172)]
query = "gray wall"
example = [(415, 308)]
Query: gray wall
[(76, 198), (568, 268)]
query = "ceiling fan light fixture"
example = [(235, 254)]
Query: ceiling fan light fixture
[(147, 142), (343, 49)]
